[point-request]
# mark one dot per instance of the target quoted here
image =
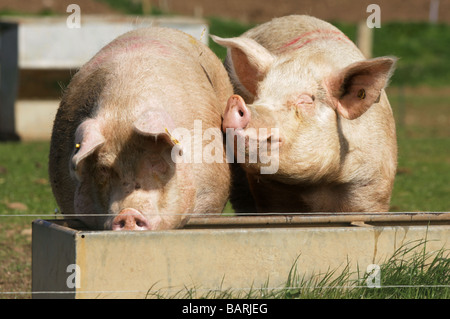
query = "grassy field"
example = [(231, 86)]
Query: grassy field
[(423, 128), (421, 48), (422, 184)]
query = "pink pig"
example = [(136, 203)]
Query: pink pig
[(336, 140), (111, 158)]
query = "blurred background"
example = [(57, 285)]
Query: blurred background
[(416, 31)]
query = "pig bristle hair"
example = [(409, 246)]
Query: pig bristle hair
[(139, 23)]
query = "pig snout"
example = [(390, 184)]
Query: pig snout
[(130, 219), (236, 114)]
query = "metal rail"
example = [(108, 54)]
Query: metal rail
[(300, 220), (321, 220)]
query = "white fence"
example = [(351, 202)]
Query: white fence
[(53, 43)]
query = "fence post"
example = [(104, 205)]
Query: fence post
[(434, 11), (9, 76), (364, 40)]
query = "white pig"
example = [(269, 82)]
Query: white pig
[(113, 141), (336, 136)]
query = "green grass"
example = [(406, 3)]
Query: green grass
[(24, 178), (411, 272), (423, 129), (24, 190), (422, 182), (421, 48)]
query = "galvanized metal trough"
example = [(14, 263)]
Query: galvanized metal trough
[(219, 252)]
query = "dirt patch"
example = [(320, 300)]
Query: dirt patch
[(15, 270)]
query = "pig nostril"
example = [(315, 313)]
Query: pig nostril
[(140, 223), (130, 219)]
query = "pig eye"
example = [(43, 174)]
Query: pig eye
[(362, 94), (103, 170), (305, 99)]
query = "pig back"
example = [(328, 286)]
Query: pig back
[(366, 146)]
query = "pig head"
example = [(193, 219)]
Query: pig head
[(334, 134), (132, 182)]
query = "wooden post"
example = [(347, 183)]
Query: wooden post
[(198, 12), (434, 11), (365, 38), (147, 7), (9, 76)]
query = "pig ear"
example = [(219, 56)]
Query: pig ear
[(157, 123), (355, 88), (88, 138), (250, 61)]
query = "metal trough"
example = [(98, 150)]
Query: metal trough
[(219, 252)]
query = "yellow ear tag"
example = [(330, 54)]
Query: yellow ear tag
[(362, 94), (203, 33), (77, 146), (171, 137)]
